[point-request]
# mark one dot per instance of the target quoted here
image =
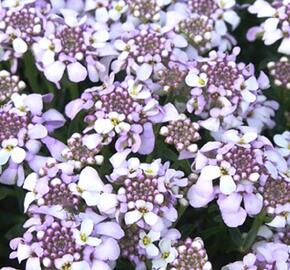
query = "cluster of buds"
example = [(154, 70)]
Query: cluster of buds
[(182, 133), (280, 72), (223, 91), (124, 110), (275, 27), (191, 255), (9, 84), (82, 150), (242, 161), (24, 126)]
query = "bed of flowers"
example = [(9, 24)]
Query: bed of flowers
[(145, 134)]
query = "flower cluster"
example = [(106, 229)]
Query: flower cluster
[(248, 169), (71, 224), (280, 71), (226, 93), (24, 128), (275, 27), (126, 111)]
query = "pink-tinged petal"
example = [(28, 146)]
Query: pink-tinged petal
[(111, 229), (76, 72), (171, 113), (55, 147), (34, 103), (200, 194), (230, 203), (108, 250), (33, 146), (235, 219), (148, 139), (54, 72), (9, 176), (100, 265), (37, 162), (227, 184), (38, 131), (53, 119), (73, 108), (253, 204), (132, 217), (144, 71)]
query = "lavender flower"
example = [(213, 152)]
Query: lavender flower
[(204, 23), (21, 24), (73, 44), (149, 192), (264, 256), (24, 126), (275, 27), (124, 110), (223, 91), (241, 162), (50, 243), (9, 84)]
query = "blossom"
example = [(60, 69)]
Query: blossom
[(279, 72), (10, 149), (146, 241), (83, 237), (168, 254)]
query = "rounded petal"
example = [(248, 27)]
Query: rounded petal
[(18, 155), (132, 217), (19, 45), (4, 156), (54, 72), (144, 71), (87, 226), (76, 72), (38, 131), (227, 184)]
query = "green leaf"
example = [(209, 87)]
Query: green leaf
[(5, 192)]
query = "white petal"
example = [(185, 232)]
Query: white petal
[(54, 72), (152, 250), (285, 46), (277, 222), (90, 180), (132, 216), (19, 45), (87, 226), (227, 184), (93, 241), (91, 198), (82, 265), (150, 218), (144, 71), (33, 264), (23, 252), (76, 72), (18, 155), (210, 172), (211, 124), (30, 182), (29, 198), (4, 156)]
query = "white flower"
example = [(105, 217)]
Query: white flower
[(246, 88), (136, 90), (143, 210), (66, 262), (114, 122), (152, 168), (10, 149), (168, 254), (196, 80), (119, 7), (98, 39), (146, 242), (83, 237), (241, 140), (91, 188), (224, 172), (283, 141), (24, 103)]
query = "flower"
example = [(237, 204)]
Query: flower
[(10, 149), (143, 210), (146, 242), (168, 255), (83, 237), (279, 71)]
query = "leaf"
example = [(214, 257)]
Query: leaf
[(5, 192), (236, 237)]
